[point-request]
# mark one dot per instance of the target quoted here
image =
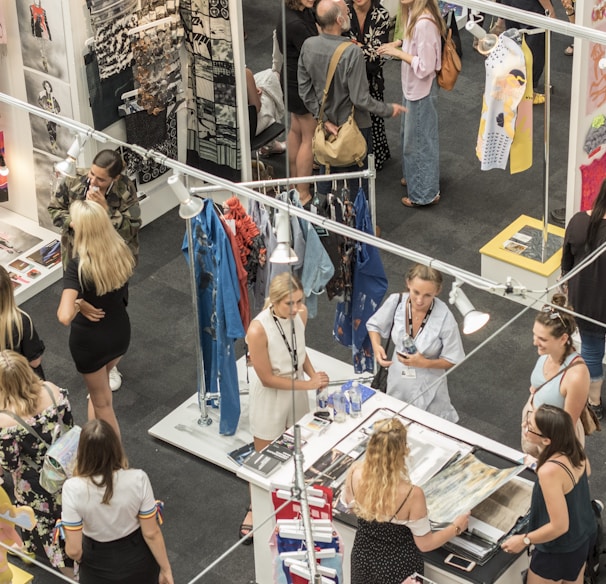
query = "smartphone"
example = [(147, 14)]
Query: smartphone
[(459, 562)]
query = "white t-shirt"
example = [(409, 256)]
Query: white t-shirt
[(133, 499)]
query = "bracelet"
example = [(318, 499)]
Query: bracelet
[(77, 305), (457, 529)]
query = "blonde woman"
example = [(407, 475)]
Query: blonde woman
[(393, 526), (97, 274), (17, 331), (42, 405), (420, 51)]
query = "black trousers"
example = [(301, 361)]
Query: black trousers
[(123, 561)]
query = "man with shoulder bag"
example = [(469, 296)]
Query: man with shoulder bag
[(341, 103)]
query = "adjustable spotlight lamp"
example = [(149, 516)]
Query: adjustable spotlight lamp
[(67, 167), (473, 320), (283, 254), (190, 206), (486, 41)]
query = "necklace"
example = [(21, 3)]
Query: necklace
[(291, 349)]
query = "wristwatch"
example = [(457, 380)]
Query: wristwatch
[(526, 540)]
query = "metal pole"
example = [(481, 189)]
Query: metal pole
[(546, 133), (301, 492), (205, 419), (372, 192)]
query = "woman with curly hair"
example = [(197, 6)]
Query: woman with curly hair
[(393, 526), (97, 273), (17, 331)]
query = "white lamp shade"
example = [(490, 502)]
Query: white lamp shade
[(190, 206), (283, 254), (473, 320), (66, 167)]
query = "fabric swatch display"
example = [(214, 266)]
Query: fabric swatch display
[(212, 138), (219, 317), (520, 158), (113, 44), (505, 87), (592, 176)]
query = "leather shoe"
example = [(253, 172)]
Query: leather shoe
[(558, 216)]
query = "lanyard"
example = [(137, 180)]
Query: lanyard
[(425, 319), (292, 350)]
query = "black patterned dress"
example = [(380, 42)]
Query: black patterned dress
[(375, 33), (16, 443)]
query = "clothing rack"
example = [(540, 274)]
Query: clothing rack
[(370, 174)]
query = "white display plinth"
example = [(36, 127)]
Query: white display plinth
[(315, 446), (21, 240), (181, 429), (499, 263)]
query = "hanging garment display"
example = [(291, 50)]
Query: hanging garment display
[(219, 322), (260, 288), (212, 139), (505, 86), (592, 176), (520, 158), (368, 287)]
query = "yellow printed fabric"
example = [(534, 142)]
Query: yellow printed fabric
[(520, 157)]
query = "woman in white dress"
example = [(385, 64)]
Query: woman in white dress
[(430, 323)]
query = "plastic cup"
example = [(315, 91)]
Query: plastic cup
[(355, 399), (340, 405)]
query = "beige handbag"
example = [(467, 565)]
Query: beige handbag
[(348, 147)]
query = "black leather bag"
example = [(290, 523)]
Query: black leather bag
[(379, 381)]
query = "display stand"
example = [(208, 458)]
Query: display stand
[(27, 253), (181, 429), (20, 576), (517, 252), (506, 570)]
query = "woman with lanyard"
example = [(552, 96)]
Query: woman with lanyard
[(423, 318), (280, 361)]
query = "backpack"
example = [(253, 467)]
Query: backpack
[(451, 63), (592, 569), (60, 457)]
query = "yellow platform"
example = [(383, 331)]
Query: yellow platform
[(499, 263), (20, 576)]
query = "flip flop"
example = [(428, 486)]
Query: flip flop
[(403, 182), (569, 50), (408, 203)]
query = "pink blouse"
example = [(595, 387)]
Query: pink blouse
[(426, 46)]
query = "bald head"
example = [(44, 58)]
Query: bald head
[(333, 16)]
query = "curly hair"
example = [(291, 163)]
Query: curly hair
[(383, 469), (557, 322)]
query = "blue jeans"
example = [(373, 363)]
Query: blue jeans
[(421, 147), (353, 184), (592, 351)]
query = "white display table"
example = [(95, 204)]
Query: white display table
[(316, 445)]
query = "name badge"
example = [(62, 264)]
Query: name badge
[(409, 373)]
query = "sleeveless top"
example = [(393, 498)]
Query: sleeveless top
[(279, 354), (581, 518), (550, 392)]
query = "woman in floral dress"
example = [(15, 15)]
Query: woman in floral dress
[(369, 30), (42, 405)]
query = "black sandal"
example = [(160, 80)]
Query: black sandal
[(246, 528)]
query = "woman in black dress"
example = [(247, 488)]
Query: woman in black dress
[(17, 331), (98, 273), (369, 30), (393, 526), (300, 24)]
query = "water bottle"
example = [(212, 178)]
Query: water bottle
[(322, 403), (355, 400), (407, 345)]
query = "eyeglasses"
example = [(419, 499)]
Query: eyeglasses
[(527, 426), (553, 313)]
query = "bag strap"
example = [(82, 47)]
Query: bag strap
[(33, 432), (560, 372), (389, 340), (332, 67)]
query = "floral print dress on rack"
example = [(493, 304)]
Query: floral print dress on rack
[(17, 445)]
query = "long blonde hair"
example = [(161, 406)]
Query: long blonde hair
[(19, 386), (104, 258), (416, 11), (282, 286), (377, 493), (10, 313)]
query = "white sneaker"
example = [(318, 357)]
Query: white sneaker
[(115, 379)]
